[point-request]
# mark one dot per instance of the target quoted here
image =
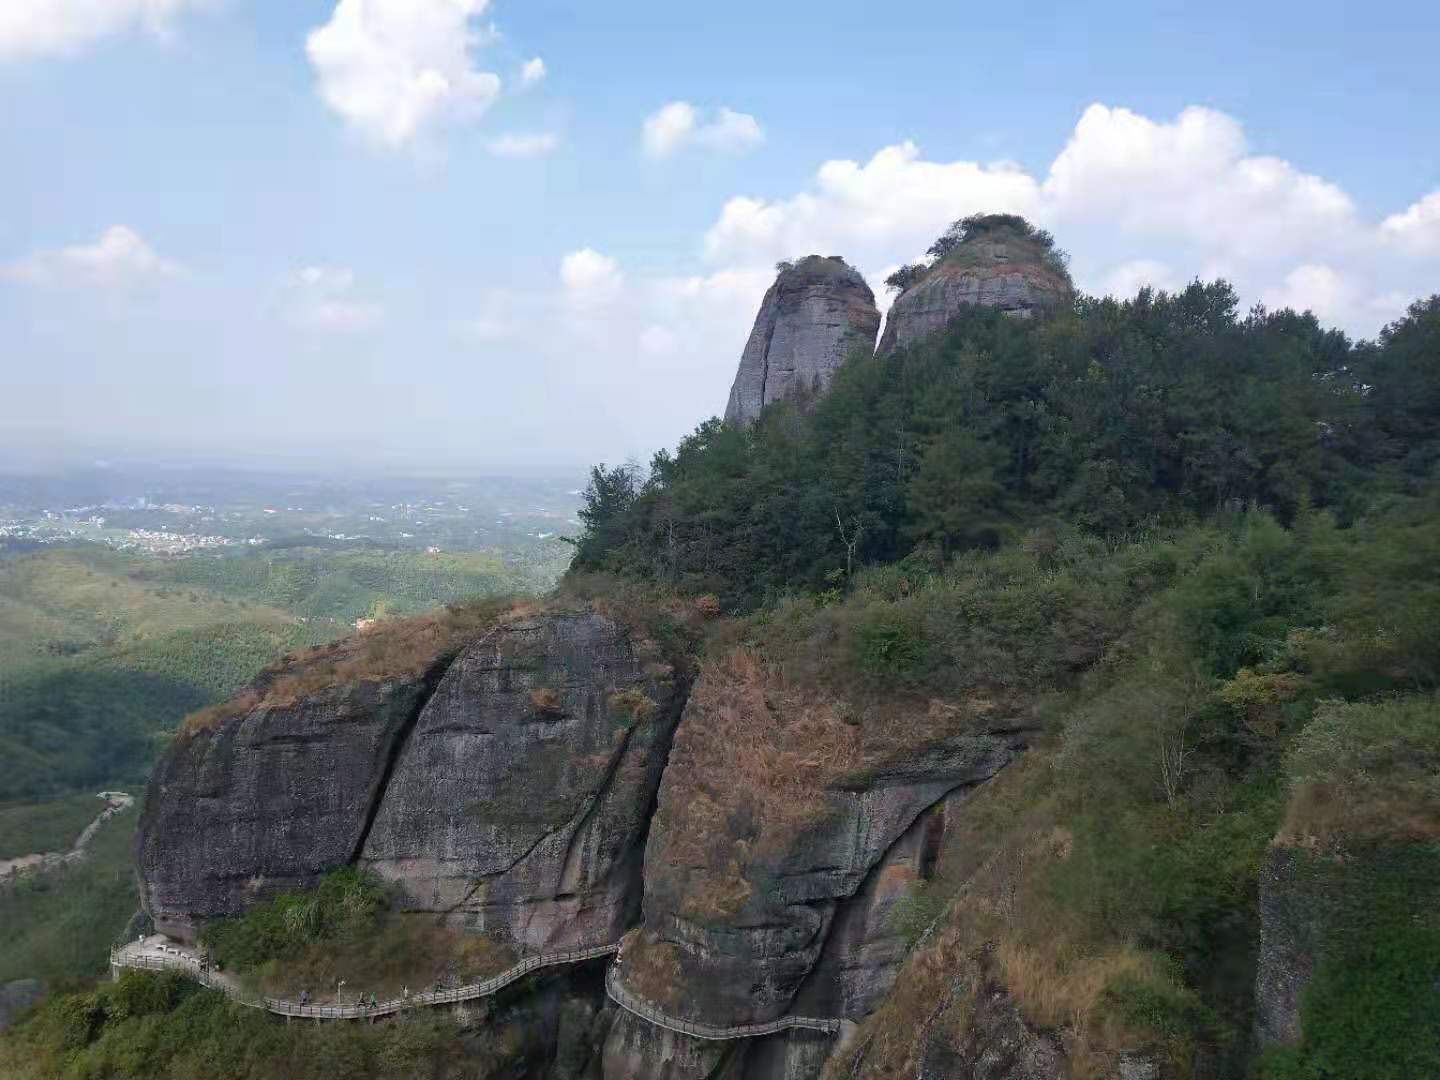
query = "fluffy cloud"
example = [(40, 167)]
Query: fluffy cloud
[(885, 210), (1417, 229), (589, 277), (526, 145), (532, 71), (678, 124), (323, 299), (393, 69), (120, 257), (1134, 198), (1129, 278), (57, 27)]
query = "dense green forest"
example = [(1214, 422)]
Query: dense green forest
[(102, 652), (1116, 416)]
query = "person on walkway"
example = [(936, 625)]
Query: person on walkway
[(372, 999), (304, 998), (405, 993)]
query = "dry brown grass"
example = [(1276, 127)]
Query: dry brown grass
[(651, 969), (1003, 928), (1321, 816), (759, 761), (390, 649), (545, 699)]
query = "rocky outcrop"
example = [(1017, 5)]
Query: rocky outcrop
[(1339, 918), (1011, 273), (1292, 921), (507, 788), (997, 1044), (520, 802), (816, 313), (269, 800), (768, 888)]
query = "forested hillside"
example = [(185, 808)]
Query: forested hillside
[(1205, 548), (1114, 417), (102, 652)]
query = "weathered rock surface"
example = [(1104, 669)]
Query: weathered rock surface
[(519, 804), (1010, 274), (815, 314), (551, 1029), (997, 1045), (1292, 918), (508, 788), (267, 801), (760, 904)]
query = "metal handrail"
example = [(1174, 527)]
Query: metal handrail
[(650, 1013), (189, 965), (201, 973)]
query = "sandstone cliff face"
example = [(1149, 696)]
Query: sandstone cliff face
[(773, 863), (1006, 273), (268, 801), (520, 802), (812, 317), (507, 789)]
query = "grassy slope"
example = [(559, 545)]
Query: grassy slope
[(60, 925), (47, 826)]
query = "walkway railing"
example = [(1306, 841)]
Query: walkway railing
[(140, 956), (131, 957), (646, 1011)]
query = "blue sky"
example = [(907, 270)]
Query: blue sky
[(378, 231)]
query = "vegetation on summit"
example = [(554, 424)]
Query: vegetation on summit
[(1202, 547)]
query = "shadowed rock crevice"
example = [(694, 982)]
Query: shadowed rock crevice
[(270, 800), (520, 803), (428, 683)]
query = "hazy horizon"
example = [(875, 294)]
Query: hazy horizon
[(252, 235)]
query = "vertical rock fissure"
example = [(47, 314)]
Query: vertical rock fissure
[(429, 683), (832, 943), (582, 819), (635, 896)]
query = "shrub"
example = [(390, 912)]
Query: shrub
[(888, 645), (1367, 771), (344, 903)]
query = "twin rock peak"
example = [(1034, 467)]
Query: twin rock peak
[(820, 310)]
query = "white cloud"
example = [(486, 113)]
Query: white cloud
[(1190, 178), (1138, 201), (323, 299), (730, 132), (1313, 287), (523, 145), (31, 28), (532, 71), (887, 210), (677, 124), (1125, 280), (590, 277), (119, 257), (393, 69), (1417, 228), (657, 340)]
